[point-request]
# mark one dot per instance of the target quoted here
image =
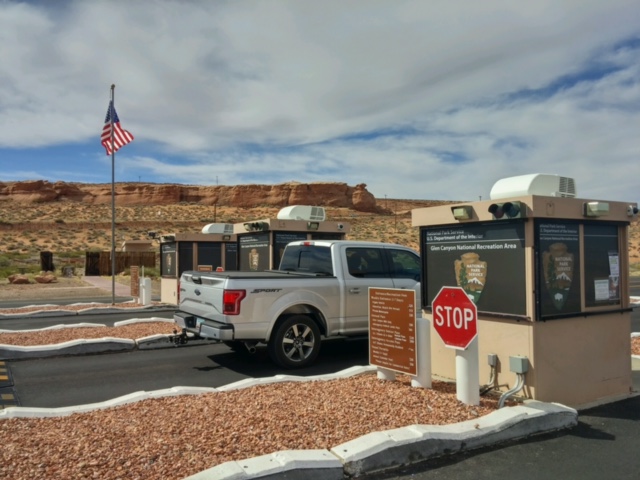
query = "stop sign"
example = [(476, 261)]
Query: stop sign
[(455, 317)]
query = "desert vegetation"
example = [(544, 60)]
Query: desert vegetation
[(68, 229)]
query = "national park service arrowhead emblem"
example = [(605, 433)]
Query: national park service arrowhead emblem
[(471, 274)]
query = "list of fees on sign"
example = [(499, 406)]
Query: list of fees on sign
[(392, 329)]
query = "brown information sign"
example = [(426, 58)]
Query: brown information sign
[(392, 329), (135, 281)]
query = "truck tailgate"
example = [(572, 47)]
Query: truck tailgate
[(202, 296)]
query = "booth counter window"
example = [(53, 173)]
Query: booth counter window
[(558, 268), (168, 259), (577, 268), (601, 265)]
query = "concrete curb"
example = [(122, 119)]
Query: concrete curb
[(35, 412), (287, 464), (73, 347), (381, 451), (384, 451), (88, 346), (375, 452), (91, 309)]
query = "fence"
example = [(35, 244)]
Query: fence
[(99, 263)]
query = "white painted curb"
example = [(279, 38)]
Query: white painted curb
[(81, 347), (381, 451), (91, 308)]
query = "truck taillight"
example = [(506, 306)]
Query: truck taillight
[(231, 301)]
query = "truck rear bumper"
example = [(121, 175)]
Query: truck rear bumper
[(203, 327)]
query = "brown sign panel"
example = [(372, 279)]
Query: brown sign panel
[(135, 281), (392, 329)]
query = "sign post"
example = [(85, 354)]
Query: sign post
[(455, 318)]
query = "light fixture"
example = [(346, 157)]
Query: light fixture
[(464, 212), (506, 210), (256, 226), (632, 211), (595, 209), (313, 225), (226, 237)]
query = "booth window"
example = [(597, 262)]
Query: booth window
[(601, 265), (577, 267), (209, 254), (185, 257)]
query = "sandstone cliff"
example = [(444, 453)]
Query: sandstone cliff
[(246, 196)]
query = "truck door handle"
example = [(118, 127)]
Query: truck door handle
[(354, 290)]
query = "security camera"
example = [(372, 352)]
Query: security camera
[(340, 226), (632, 211)]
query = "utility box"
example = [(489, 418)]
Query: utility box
[(549, 275)]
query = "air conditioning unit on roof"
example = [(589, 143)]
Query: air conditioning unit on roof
[(534, 184), (223, 228), (302, 212)]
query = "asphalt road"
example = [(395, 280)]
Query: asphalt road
[(66, 381), (31, 322), (604, 445)]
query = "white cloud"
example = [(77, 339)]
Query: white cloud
[(416, 99)]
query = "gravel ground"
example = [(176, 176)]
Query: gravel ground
[(174, 437)]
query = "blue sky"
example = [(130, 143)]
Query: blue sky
[(416, 99)]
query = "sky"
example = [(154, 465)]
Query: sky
[(424, 99)]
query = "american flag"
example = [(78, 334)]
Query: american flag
[(120, 136)]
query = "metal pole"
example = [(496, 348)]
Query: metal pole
[(113, 202)]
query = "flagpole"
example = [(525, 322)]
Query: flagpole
[(113, 201)]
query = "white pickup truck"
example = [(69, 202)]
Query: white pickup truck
[(320, 290)]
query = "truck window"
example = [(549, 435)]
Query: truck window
[(366, 263), (308, 259), (404, 264)]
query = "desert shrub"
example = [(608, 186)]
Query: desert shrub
[(148, 272)]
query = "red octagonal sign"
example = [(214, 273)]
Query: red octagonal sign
[(455, 317)]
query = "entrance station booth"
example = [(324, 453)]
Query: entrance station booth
[(261, 242), (549, 274), (215, 247), (248, 246)]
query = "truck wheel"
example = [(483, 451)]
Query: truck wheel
[(295, 343)]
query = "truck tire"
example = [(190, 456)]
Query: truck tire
[(295, 343)]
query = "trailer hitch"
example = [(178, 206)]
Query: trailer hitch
[(179, 339)]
